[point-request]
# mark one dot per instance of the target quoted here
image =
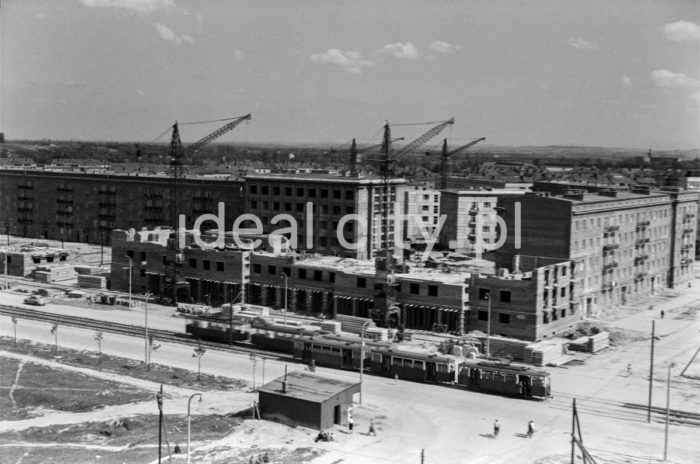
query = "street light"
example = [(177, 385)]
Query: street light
[(362, 354), (131, 264), (488, 327), (284, 276), (188, 422), (145, 340)]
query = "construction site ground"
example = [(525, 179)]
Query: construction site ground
[(445, 424)]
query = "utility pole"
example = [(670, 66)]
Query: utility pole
[(422, 456), (651, 371), (488, 327), (14, 323), (198, 353), (98, 338), (159, 400), (54, 331), (668, 407)]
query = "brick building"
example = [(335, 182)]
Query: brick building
[(74, 206), (332, 197), (624, 245)]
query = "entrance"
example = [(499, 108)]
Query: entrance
[(336, 415)]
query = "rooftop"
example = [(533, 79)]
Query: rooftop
[(322, 177), (308, 387)]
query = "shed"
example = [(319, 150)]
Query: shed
[(307, 400)]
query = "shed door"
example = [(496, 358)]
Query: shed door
[(336, 415)]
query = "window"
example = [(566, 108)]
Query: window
[(426, 208), (312, 192), (300, 192), (193, 263), (361, 282), (318, 275), (275, 190), (287, 271), (505, 296), (323, 241), (484, 293), (287, 206), (272, 270), (265, 190), (206, 264), (414, 288), (276, 205), (336, 194), (302, 273), (336, 209), (142, 272), (257, 268), (331, 276), (349, 210), (504, 318), (220, 266), (324, 193), (165, 259), (483, 315), (300, 207), (432, 290), (349, 195), (253, 204), (130, 253), (288, 191), (253, 189)]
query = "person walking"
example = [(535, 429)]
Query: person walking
[(396, 379), (530, 429), (371, 428), (496, 428), (351, 424), (662, 314)]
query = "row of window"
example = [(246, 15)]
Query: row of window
[(298, 207), (301, 192), (625, 218)]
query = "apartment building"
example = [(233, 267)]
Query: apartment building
[(75, 206), (320, 227), (466, 211), (624, 245), (422, 211)]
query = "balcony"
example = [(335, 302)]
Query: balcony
[(610, 266), (686, 247), (473, 212), (689, 216), (689, 231), (610, 229), (643, 224), (610, 247), (642, 241), (640, 276), (640, 259), (686, 261)]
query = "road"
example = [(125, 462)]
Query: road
[(453, 425)]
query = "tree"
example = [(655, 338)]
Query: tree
[(2, 137)]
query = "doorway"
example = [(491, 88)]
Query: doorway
[(336, 415)]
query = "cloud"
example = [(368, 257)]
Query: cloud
[(682, 31), (670, 80), (626, 80), (444, 47), (142, 6), (406, 51), (582, 44), (168, 35), (352, 62)]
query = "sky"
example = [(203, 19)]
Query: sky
[(580, 72)]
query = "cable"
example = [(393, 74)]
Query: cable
[(162, 134), (418, 123), (211, 120)]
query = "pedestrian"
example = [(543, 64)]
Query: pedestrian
[(662, 314), (396, 379), (629, 369), (496, 428), (530, 429), (351, 424), (371, 428)]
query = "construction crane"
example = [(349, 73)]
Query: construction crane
[(177, 158), (385, 307), (445, 155), (354, 152)]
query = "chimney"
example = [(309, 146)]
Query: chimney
[(516, 264)]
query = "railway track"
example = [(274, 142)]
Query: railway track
[(135, 331)]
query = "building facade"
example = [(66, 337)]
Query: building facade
[(624, 245)]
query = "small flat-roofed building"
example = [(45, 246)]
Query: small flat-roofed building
[(307, 400)]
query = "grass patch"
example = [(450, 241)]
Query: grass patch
[(121, 366)]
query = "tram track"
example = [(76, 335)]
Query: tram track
[(134, 331)]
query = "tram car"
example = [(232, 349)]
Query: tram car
[(216, 327), (339, 354), (276, 337), (408, 365), (505, 379)]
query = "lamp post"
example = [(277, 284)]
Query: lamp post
[(98, 338), (131, 264), (159, 400), (284, 276), (188, 422), (668, 410), (362, 354), (14, 323), (488, 327), (145, 339), (54, 331)]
